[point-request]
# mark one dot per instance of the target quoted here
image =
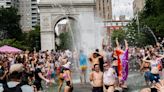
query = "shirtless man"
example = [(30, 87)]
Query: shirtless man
[(96, 79), (94, 59)]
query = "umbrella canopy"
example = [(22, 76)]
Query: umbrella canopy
[(9, 49)]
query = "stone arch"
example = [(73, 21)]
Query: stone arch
[(50, 16), (59, 18)]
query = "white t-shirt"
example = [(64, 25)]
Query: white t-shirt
[(25, 88), (109, 77), (154, 66), (109, 56), (57, 64)]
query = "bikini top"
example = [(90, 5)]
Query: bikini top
[(154, 63), (65, 76)]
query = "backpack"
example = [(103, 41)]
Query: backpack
[(17, 88)]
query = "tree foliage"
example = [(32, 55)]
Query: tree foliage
[(135, 37), (66, 41), (120, 34), (14, 43), (153, 16), (33, 38), (9, 24), (11, 33)]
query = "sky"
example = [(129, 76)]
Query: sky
[(122, 7)]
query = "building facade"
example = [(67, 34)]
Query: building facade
[(28, 10), (104, 9), (112, 25), (25, 13), (5, 3), (138, 5), (34, 13)]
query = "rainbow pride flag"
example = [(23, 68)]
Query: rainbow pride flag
[(122, 64), (124, 60)]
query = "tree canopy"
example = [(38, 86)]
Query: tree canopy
[(153, 16), (9, 23), (11, 33)]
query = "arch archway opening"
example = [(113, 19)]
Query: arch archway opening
[(65, 33)]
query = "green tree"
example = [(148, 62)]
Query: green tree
[(9, 24), (153, 16), (120, 34), (65, 41), (33, 39), (14, 43)]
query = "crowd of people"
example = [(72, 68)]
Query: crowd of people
[(108, 68), (25, 71)]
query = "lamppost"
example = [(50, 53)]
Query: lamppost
[(138, 23)]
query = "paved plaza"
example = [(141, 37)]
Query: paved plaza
[(135, 83)]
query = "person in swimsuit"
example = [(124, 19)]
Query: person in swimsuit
[(145, 67), (95, 59), (119, 53), (109, 77), (83, 66), (96, 79), (154, 76), (62, 60), (67, 77)]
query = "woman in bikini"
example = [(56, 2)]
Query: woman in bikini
[(67, 77), (145, 67), (155, 61), (60, 71)]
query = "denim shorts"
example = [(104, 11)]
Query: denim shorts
[(147, 75), (154, 77)]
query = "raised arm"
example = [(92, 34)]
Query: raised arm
[(161, 57), (158, 44), (144, 59), (142, 65), (117, 44), (126, 44)]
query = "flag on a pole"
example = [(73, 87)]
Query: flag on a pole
[(118, 53), (124, 60)]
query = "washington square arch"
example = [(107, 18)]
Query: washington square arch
[(52, 11)]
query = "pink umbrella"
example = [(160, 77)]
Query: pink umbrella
[(9, 49)]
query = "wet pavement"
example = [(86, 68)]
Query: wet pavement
[(135, 83)]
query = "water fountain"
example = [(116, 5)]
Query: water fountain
[(155, 38), (89, 32)]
